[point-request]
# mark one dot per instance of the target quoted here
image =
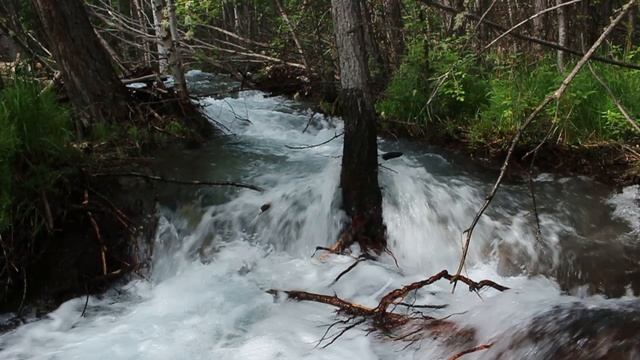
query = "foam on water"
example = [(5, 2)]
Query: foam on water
[(206, 295)]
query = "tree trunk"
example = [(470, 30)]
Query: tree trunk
[(168, 38), (393, 29), (139, 14), (562, 34), (538, 22), (361, 195), (175, 54), (89, 77), (161, 35)]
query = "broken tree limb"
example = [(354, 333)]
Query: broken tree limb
[(556, 95), (183, 182), (472, 350), (384, 319)]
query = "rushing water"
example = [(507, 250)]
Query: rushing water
[(574, 287)]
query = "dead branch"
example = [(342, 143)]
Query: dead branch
[(183, 182), (556, 95), (96, 229), (472, 350), (398, 294), (385, 319), (615, 100), (303, 147), (518, 25), (361, 258)]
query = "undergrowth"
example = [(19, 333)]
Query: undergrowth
[(34, 143), (447, 90)]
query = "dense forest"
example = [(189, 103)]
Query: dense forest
[(495, 139)]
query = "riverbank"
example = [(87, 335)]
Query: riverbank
[(614, 164), (70, 223)]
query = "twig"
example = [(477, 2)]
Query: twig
[(96, 229), (556, 95), (613, 98), (309, 122), (363, 257), (183, 182), (472, 350), (86, 302), (312, 146)]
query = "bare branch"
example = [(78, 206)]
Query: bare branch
[(556, 95)]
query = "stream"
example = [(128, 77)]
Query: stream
[(574, 286)]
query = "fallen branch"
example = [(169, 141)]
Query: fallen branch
[(183, 182), (556, 95), (615, 100), (303, 147), (472, 350), (387, 320)]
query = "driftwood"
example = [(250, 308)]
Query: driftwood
[(383, 318)]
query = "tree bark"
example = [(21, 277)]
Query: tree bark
[(168, 38), (361, 195), (161, 35), (538, 23), (175, 54), (393, 28), (89, 77), (562, 34)]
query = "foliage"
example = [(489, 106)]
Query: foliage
[(434, 82), (32, 144), (441, 88)]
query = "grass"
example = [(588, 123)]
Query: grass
[(33, 142), (446, 90)]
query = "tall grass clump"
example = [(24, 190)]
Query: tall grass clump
[(33, 146), (585, 114)]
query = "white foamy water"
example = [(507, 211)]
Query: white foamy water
[(214, 259)]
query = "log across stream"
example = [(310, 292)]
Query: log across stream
[(572, 290)]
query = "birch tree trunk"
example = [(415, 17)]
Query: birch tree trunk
[(175, 53), (169, 44), (361, 195), (90, 80), (562, 34), (163, 56)]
